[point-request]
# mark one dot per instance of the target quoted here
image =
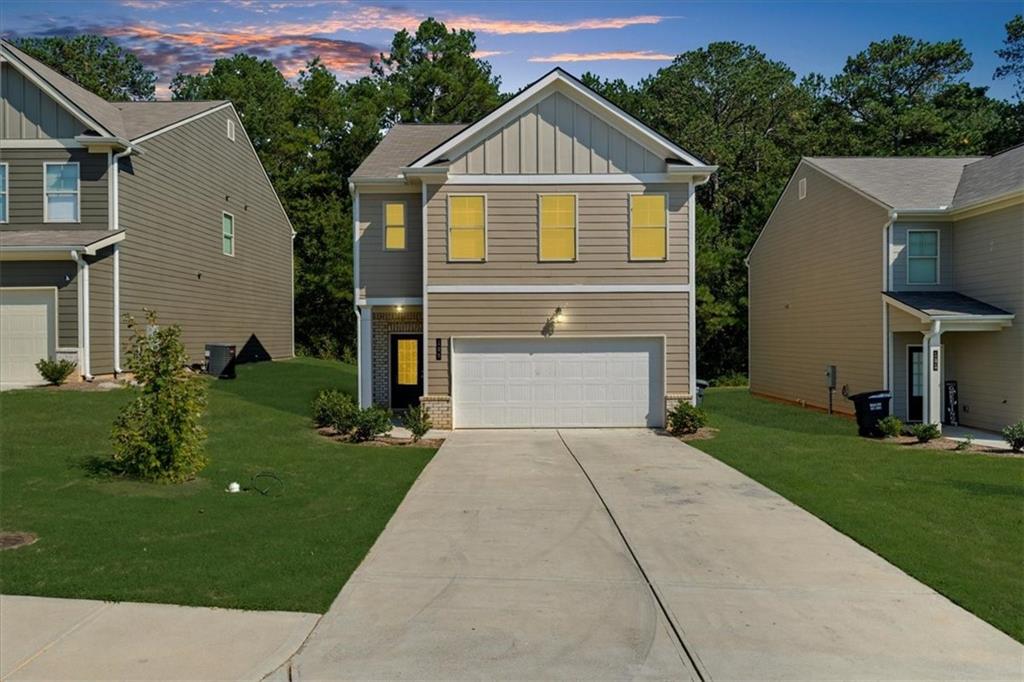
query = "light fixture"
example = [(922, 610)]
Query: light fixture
[(559, 317), (399, 308)]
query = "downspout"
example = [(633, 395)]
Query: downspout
[(886, 283), (691, 278), (115, 224), (83, 321), (355, 291)]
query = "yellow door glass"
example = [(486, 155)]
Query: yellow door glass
[(394, 226), (466, 228), (558, 227), (408, 361), (648, 226)]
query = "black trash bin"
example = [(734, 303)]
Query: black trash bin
[(871, 406)]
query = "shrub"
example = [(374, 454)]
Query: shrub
[(925, 432), (369, 423), (333, 408), (965, 444), (684, 418), (731, 379), (157, 436), (890, 426), (417, 420), (1014, 435), (55, 371)]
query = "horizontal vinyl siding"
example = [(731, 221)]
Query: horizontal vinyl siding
[(25, 188), (27, 113), (171, 203), (595, 315), (390, 273), (989, 366), (815, 282), (60, 274), (512, 237)]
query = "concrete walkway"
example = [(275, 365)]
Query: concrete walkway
[(78, 639), (503, 562)]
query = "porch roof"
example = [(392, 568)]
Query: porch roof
[(36, 242), (945, 305)]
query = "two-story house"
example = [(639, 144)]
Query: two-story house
[(114, 207), (907, 274), (531, 269)]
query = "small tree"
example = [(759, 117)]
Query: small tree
[(157, 436)]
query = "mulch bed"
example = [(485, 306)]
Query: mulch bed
[(13, 539), (703, 433), (382, 441), (949, 445)]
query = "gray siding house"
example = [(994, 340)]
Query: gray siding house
[(906, 274), (109, 208), (531, 269)]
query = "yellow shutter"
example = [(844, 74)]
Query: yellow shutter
[(557, 227), (408, 361), (647, 224), (467, 226), (394, 225)]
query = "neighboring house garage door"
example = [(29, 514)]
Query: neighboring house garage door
[(27, 333), (543, 383)]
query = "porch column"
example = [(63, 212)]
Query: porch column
[(365, 351), (933, 375)]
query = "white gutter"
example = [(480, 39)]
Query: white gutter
[(83, 318), (691, 278), (115, 224), (360, 351), (886, 280)]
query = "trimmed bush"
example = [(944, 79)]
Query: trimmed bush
[(55, 372), (333, 408), (369, 423), (157, 436), (925, 432), (417, 420), (684, 418), (1014, 435), (731, 379), (890, 426)]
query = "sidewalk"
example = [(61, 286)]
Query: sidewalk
[(61, 639)]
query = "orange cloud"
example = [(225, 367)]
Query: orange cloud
[(615, 55), (484, 54)]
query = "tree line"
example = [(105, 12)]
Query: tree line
[(728, 103)]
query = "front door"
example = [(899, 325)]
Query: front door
[(915, 383), (406, 370)]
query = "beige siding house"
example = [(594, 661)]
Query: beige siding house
[(906, 274), (531, 269), (110, 208)]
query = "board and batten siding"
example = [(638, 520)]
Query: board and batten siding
[(385, 274), (585, 315), (988, 251), (172, 198), (815, 282), (25, 188), (28, 113), (557, 135), (513, 255), (898, 254), (59, 274)]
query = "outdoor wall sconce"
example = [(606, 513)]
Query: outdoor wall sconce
[(556, 318)]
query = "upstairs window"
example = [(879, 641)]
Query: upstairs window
[(922, 257), (394, 225), (467, 227), (558, 227), (648, 227), (3, 192), (227, 234), (60, 193)]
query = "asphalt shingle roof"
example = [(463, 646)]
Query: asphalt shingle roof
[(402, 145), (71, 239), (991, 177), (942, 303), (900, 182)]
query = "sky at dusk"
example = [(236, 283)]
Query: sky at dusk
[(522, 40)]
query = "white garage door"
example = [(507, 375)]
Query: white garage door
[(27, 334), (548, 383)]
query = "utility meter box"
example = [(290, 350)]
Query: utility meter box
[(830, 376)]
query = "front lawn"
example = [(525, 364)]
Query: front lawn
[(955, 521), (193, 543)]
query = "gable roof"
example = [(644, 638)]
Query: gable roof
[(402, 145), (914, 183), (990, 178), (129, 120), (946, 304)]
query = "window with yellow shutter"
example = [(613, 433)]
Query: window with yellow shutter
[(408, 362), (557, 227), (394, 225), (648, 227), (467, 227)]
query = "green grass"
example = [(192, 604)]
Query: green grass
[(194, 543), (955, 521)]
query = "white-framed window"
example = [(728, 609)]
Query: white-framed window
[(922, 256), (231, 130), (61, 186), (467, 227), (802, 188), (3, 192), (557, 227), (394, 226), (227, 234), (648, 227)]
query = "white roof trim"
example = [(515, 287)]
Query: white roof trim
[(534, 92), (184, 121)]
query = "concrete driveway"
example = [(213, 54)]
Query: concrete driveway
[(625, 554)]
